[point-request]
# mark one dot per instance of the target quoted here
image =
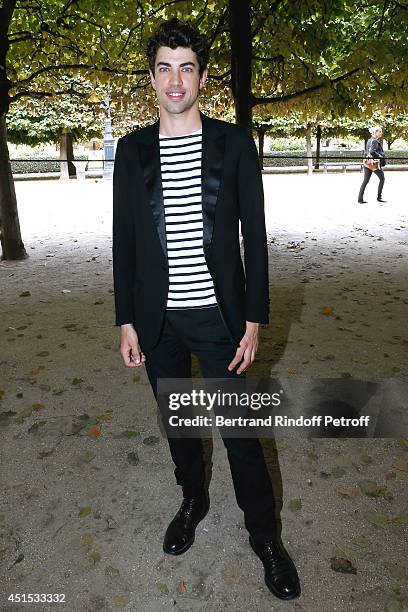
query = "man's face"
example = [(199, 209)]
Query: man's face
[(378, 133), (176, 80)]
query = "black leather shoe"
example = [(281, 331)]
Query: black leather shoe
[(180, 533), (380, 199), (362, 201), (281, 576)]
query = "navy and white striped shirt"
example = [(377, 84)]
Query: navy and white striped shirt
[(190, 282)]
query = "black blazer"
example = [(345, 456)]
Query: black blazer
[(231, 191)]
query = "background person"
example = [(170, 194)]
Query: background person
[(375, 151)]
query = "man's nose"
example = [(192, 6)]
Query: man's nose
[(175, 77)]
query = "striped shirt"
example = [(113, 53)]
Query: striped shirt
[(190, 282)]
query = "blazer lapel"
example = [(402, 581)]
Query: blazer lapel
[(149, 153), (213, 146), (211, 169)]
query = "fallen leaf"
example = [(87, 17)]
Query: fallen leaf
[(25, 294), (111, 571), (371, 488), (36, 426), (37, 406), (84, 511), (88, 456), (162, 588), (151, 440), (378, 518), (19, 559), (95, 556), (327, 310), (347, 492), (340, 564), (129, 434), (402, 442), (133, 458), (400, 463), (95, 432), (105, 417), (76, 381), (295, 504), (87, 539), (121, 601), (338, 471), (181, 587)]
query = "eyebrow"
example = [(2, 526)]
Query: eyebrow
[(168, 64)]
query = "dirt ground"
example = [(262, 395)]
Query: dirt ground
[(87, 484)]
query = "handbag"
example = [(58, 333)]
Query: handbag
[(370, 163)]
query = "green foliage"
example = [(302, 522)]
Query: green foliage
[(325, 60), (33, 121)]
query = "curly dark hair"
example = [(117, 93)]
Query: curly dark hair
[(176, 33)]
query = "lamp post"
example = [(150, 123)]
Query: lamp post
[(108, 143)]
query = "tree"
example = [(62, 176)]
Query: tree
[(39, 42)]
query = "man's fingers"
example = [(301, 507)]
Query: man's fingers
[(132, 356), (237, 358), (138, 357), (249, 357), (246, 362)]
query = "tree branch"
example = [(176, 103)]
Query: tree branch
[(47, 69), (257, 101), (46, 94), (277, 58)]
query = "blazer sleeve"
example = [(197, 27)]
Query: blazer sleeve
[(252, 216), (122, 241)]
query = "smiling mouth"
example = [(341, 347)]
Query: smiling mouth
[(175, 95)]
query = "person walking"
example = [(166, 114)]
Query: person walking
[(374, 151), (181, 185)]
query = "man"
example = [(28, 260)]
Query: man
[(181, 186), (374, 150)]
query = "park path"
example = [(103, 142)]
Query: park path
[(87, 484)]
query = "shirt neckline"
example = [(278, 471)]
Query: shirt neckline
[(182, 135)]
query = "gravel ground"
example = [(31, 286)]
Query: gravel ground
[(87, 481)]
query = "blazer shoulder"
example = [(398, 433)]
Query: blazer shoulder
[(138, 135), (235, 133)]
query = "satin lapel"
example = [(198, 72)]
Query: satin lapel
[(149, 153), (212, 157)]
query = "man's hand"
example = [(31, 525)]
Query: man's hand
[(247, 348), (129, 346)]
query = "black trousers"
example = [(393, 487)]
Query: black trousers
[(202, 332), (367, 176)]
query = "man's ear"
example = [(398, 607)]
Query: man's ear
[(203, 77), (151, 75)]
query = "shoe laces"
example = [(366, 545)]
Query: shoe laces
[(275, 557), (187, 508)]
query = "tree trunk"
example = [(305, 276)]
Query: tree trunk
[(261, 141), (318, 142), (10, 236), (241, 51), (309, 149), (67, 153)]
